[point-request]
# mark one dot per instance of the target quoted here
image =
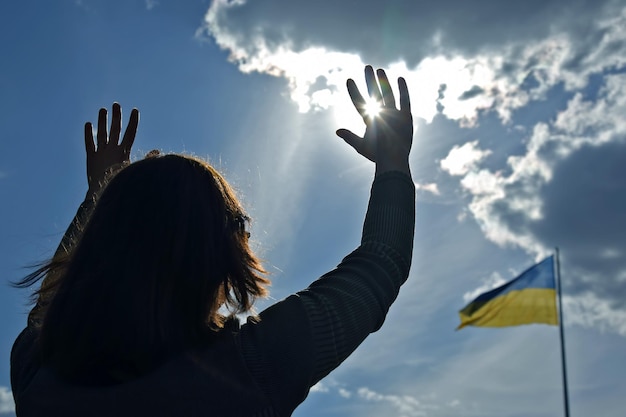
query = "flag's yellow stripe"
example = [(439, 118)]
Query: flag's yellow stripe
[(529, 305)]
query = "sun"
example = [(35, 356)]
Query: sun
[(347, 117), (372, 108)]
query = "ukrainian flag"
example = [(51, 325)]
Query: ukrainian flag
[(529, 298)]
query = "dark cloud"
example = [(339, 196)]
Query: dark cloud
[(407, 29), (471, 93), (441, 94), (584, 209)]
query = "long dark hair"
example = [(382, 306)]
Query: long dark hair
[(163, 254)]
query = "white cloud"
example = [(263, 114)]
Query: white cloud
[(567, 189), (464, 61), (494, 281), (463, 159), (405, 405), (151, 4), (7, 405), (319, 387), (429, 187), (582, 123), (589, 310), (344, 393)]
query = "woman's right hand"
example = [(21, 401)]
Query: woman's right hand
[(389, 133), (108, 154)]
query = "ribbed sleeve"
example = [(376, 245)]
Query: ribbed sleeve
[(302, 338), (390, 218), (350, 302)]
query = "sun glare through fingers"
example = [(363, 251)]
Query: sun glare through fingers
[(372, 108)]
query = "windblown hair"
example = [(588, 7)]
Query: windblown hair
[(162, 256)]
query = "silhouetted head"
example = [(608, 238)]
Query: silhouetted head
[(164, 249)]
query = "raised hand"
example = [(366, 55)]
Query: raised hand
[(388, 134), (107, 155)]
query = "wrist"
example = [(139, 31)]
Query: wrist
[(400, 165)]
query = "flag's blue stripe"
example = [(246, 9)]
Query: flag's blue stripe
[(540, 275)]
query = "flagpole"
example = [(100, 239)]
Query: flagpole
[(563, 367)]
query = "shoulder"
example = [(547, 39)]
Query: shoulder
[(25, 359)]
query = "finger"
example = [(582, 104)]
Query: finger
[(405, 101), (102, 128), (90, 147), (353, 140), (116, 124), (385, 87), (350, 138), (372, 85), (131, 131), (357, 98)]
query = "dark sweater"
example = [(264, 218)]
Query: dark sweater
[(265, 367)]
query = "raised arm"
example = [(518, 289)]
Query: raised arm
[(301, 339), (358, 293), (104, 157)]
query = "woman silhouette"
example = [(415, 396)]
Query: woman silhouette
[(135, 313)]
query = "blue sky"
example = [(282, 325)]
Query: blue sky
[(520, 146)]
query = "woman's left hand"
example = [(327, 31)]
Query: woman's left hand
[(389, 133), (107, 155)]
